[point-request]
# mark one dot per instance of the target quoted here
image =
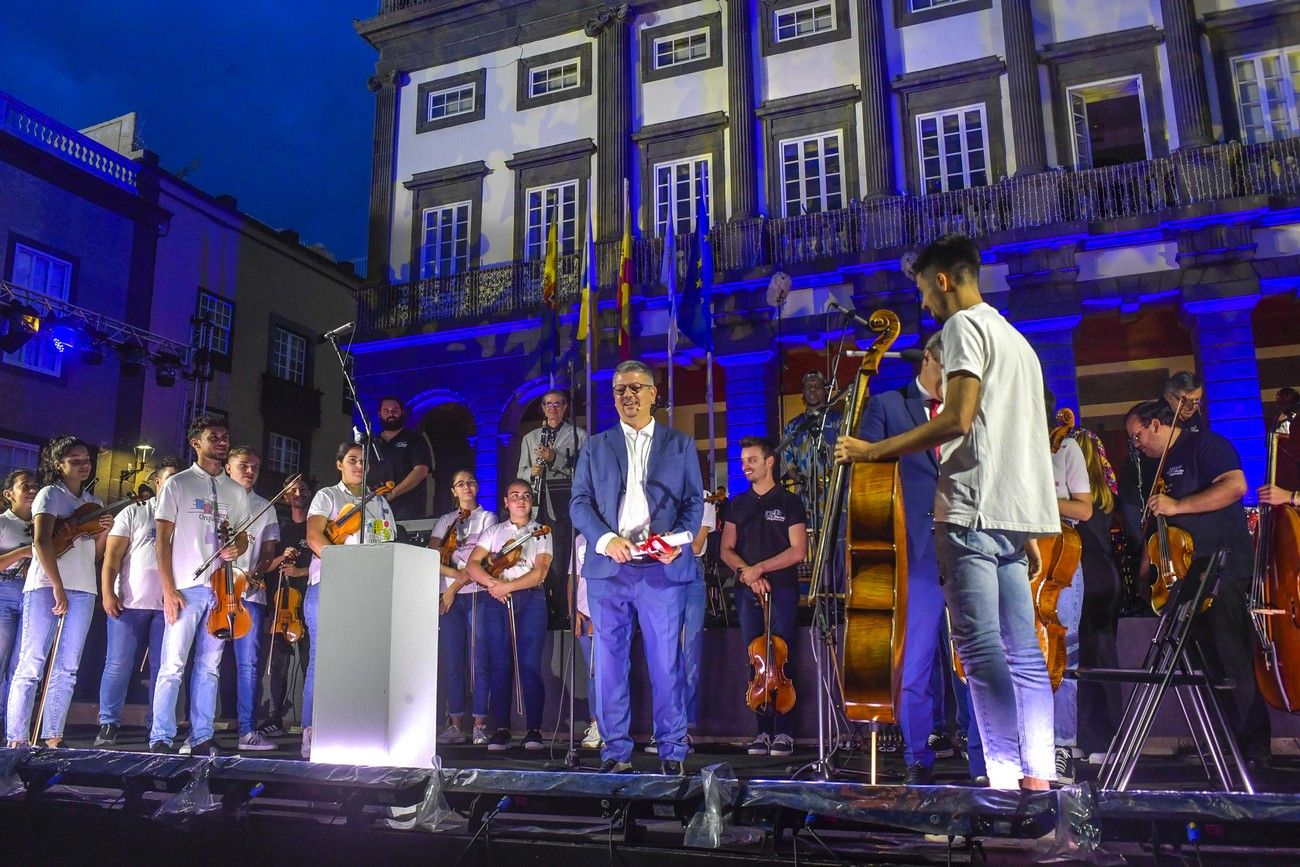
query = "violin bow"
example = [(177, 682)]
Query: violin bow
[(1160, 467), (212, 558)]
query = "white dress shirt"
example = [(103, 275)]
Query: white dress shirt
[(634, 512)]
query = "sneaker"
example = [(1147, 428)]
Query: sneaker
[(452, 735), (760, 746), (782, 745), (1064, 765), (499, 741), (305, 750), (255, 742), (161, 748), (592, 739), (918, 775), (941, 745), (533, 740), (614, 766), (890, 739), (1096, 758), (480, 734), (107, 736), (210, 747), (273, 728), (669, 768), (185, 749), (690, 743), (653, 746)]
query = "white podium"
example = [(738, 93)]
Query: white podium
[(376, 699)]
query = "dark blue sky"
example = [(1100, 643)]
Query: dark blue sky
[(270, 97)]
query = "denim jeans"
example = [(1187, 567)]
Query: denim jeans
[(458, 635), (11, 626), (246, 668), (585, 670), (189, 630), (1065, 701), (784, 603), (310, 613), (693, 647), (986, 584), (39, 629), (125, 635), (494, 660)]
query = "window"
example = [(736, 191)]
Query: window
[(283, 454), (15, 455), (288, 355), (445, 248), (1108, 122), (682, 48), (449, 103), (676, 189), (908, 12), (811, 174), (953, 148), (1265, 86), (545, 206), (221, 314), (926, 5), (48, 275), (555, 77), (799, 21)]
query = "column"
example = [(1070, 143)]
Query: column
[(1022, 78), (489, 443), (1053, 341), (739, 28), (382, 154), (1187, 73), (613, 118), (1224, 342), (877, 102), (752, 390), (603, 412)]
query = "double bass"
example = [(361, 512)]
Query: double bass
[(1060, 555), (1275, 594)]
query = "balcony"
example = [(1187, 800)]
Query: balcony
[(865, 231), (44, 132)]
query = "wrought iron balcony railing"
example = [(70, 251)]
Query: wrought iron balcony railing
[(1217, 173)]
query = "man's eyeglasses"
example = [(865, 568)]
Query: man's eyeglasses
[(1133, 438), (553, 404), (634, 387)]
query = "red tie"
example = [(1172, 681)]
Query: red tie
[(933, 411)]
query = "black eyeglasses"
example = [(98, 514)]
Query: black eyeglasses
[(465, 483), (634, 387), (1133, 440)]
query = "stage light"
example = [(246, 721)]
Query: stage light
[(165, 366), (64, 334), (132, 359), (91, 347), (19, 325)]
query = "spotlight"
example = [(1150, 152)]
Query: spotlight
[(132, 359), (19, 325), (64, 334), (92, 347), (165, 366)]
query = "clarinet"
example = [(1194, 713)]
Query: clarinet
[(549, 435)]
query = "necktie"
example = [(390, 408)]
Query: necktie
[(933, 410)]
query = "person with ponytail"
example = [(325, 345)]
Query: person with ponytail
[(58, 588), (19, 492)]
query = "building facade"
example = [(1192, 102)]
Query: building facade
[(1128, 167)]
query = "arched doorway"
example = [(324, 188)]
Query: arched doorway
[(449, 426)]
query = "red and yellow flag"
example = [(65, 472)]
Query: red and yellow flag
[(625, 283)]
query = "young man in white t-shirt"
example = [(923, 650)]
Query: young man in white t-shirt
[(995, 497), (191, 511), (131, 595)]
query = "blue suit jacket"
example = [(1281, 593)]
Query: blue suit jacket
[(891, 413), (673, 489)]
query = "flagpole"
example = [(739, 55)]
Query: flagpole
[(593, 313), (708, 399)]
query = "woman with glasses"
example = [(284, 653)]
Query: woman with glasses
[(15, 553)]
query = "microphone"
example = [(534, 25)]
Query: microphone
[(337, 332), (832, 304)]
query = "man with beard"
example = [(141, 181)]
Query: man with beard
[(809, 438), (404, 458)]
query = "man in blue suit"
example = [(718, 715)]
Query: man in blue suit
[(888, 414), (633, 481)]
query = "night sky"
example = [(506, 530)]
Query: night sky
[(269, 97)]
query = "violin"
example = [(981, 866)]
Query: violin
[(768, 654), (85, 520), (350, 516), (452, 540), (1060, 555), (288, 611), (718, 497), (1170, 551), (496, 564), (229, 619)]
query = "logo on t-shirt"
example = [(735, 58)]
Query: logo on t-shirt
[(1174, 471), (204, 509), (774, 515), (400, 445), (381, 530)]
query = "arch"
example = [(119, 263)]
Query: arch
[(447, 420), (512, 416)]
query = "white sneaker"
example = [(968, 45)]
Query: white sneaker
[(1096, 758), (480, 734), (592, 739), (452, 735), (306, 742), (186, 748), (254, 741), (782, 745), (653, 746)]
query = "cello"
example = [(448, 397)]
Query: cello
[(768, 654), (1275, 594), (1060, 556)]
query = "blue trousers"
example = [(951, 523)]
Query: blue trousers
[(921, 696), (639, 594), (785, 603), (189, 631), (310, 613), (693, 647), (494, 661), (11, 633), (458, 635), (126, 634), (39, 629), (247, 652)]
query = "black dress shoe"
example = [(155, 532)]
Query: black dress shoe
[(107, 736), (162, 748), (918, 775), (614, 766), (669, 768), (210, 747)]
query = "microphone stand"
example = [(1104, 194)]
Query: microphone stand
[(367, 438), (571, 759)]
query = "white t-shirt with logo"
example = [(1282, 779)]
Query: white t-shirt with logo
[(139, 584), (710, 521), (1070, 473), (497, 537), (77, 566), (265, 529), (196, 503), (468, 532), (381, 526), (14, 533), (999, 475)]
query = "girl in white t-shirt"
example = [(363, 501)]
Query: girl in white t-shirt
[(58, 588), (19, 492), (380, 526)]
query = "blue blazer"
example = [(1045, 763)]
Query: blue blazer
[(888, 414), (674, 492)]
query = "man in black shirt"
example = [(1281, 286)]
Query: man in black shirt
[(1205, 486), (764, 537), (404, 459)]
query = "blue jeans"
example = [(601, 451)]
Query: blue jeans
[(458, 635), (784, 603), (11, 626), (125, 635), (1069, 610), (586, 646), (493, 658), (310, 613), (247, 650), (189, 630), (693, 647), (39, 628), (986, 583)]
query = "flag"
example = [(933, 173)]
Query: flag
[(696, 311), (550, 318), (587, 312), (625, 283), (668, 277)]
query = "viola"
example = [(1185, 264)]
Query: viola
[(1275, 594), (1060, 556), (229, 619), (348, 520), (768, 654), (288, 614), (85, 520), (1171, 553), (496, 564), (718, 497)]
